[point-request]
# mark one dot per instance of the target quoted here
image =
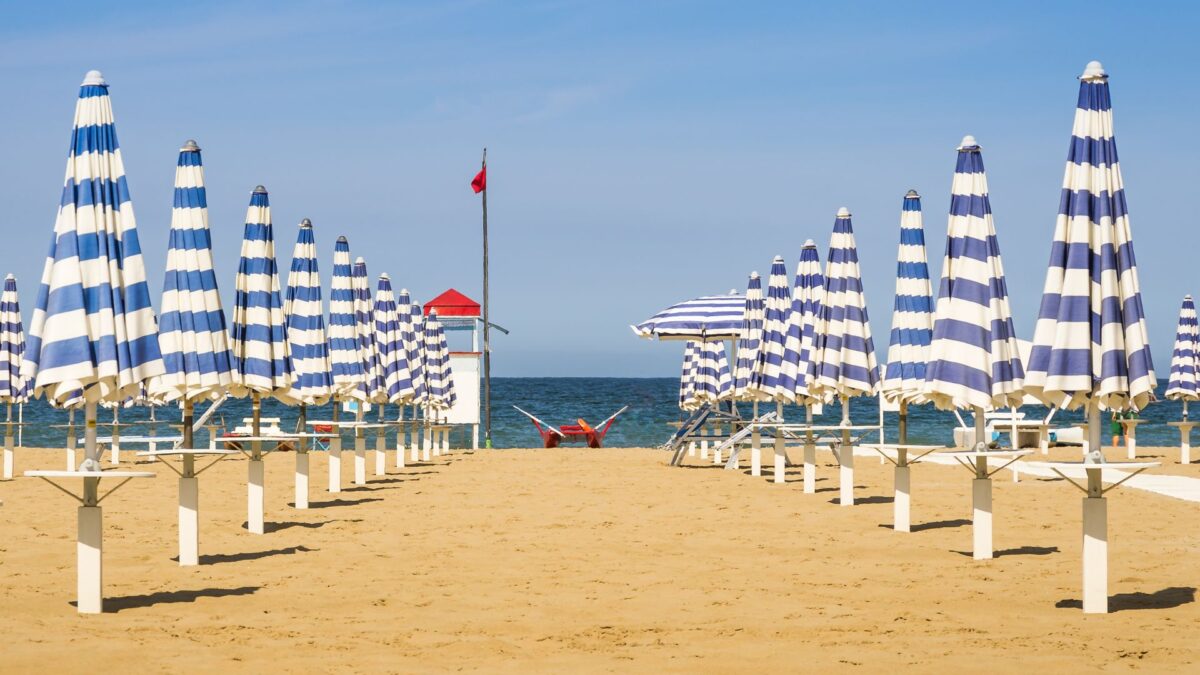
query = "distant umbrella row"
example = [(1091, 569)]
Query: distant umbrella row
[(810, 341), (94, 336)]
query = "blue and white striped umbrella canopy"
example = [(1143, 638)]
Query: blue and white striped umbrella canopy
[(808, 289), (1185, 360), (408, 370), (912, 319), (345, 353), (93, 326), (714, 317), (437, 365), (843, 351), (770, 382), (416, 357), (261, 357), (687, 378), (1091, 341), (710, 380), (13, 388), (304, 314), (192, 332), (974, 360), (389, 342), (364, 326), (751, 331)]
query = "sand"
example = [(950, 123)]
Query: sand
[(595, 560)]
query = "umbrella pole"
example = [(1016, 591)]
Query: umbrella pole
[(360, 446), (400, 436), (71, 440), (425, 432), (335, 451), (189, 496), (302, 458), (981, 493), (414, 436), (846, 459), (114, 449), (381, 444), (89, 543), (1095, 529), (810, 453), (901, 514), (755, 446), (254, 490), (780, 458), (8, 445)]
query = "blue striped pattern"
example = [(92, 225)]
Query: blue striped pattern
[(372, 388), (687, 378), (808, 289), (768, 381), (973, 357), (912, 318), (416, 355), (1185, 360), (437, 367), (261, 359), (13, 387), (1091, 339), (192, 332), (305, 316), (843, 351), (93, 326), (751, 331), (408, 367), (715, 317), (344, 355), (710, 377), (389, 343)]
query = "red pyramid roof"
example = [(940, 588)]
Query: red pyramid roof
[(453, 303)]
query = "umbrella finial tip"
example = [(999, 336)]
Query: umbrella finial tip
[(968, 141), (260, 189), (10, 277), (342, 240), (1186, 297), (306, 223), (94, 77), (1093, 70), (912, 194), (843, 212), (809, 243), (778, 259), (360, 261)]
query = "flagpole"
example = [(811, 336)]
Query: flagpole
[(487, 345)]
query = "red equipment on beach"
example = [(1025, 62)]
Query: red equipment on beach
[(581, 431)]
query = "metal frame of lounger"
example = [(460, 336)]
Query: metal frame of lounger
[(687, 432)]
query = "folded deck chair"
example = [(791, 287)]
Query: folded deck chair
[(551, 436)]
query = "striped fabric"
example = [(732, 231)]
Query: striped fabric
[(408, 367), (372, 388), (687, 378), (192, 332), (768, 380), (973, 357), (751, 331), (714, 317), (1091, 339), (710, 380), (345, 358), (843, 351), (389, 343), (304, 315), (437, 366), (93, 326), (13, 387), (1185, 360), (416, 357), (912, 319), (261, 359), (808, 290)]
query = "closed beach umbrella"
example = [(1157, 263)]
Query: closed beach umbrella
[(687, 388), (304, 315), (388, 342), (93, 332), (1090, 343), (769, 380), (973, 357), (714, 317), (416, 356), (372, 388), (843, 351), (261, 357), (808, 289), (403, 349), (13, 387), (437, 366), (710, 375), (751, 332), (912, 317), (1185, 359), (344, 348)]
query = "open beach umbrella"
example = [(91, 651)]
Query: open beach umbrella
[(687, 378), (13, 387), (1090, 346), (710, 373), (93, 333), (1090, 343), (304, 315), (974, 361), (437, 366), (345, 351), (750, 330), (715, 317), (1185, 359), (261, 356)]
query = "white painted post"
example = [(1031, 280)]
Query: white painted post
[(846, 460), (1044, 438), (89, 551), (1131, 440), (446, 440), (1185, 442), (1095, 550), (755, 453), (8, 455), (426, 442), (360, 449), (189, 521), (810, 454), (703, 441), (691, 448), (255, 497), (780, 468), (900, 507), (981, 516), (301, 500), (72, 464), (335, 452), (381, 452)]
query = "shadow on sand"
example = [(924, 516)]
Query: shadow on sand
[(218, 558), (1167, 598), (1023, 550), (339, 502), (113, 605)]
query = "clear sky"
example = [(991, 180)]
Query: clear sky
[(640, 153)]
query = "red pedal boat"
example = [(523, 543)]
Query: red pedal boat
[(593, 437)]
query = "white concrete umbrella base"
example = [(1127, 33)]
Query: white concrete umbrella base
[(189, 496), (897, 454), (981, 492)]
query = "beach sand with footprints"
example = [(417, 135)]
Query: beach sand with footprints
[(578, 560)]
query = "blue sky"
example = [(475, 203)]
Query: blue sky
[(640, 153)]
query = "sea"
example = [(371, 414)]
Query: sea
[(648, 421)]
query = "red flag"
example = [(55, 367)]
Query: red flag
[(479, 184)]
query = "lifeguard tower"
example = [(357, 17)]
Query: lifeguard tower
[(458, 313)]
